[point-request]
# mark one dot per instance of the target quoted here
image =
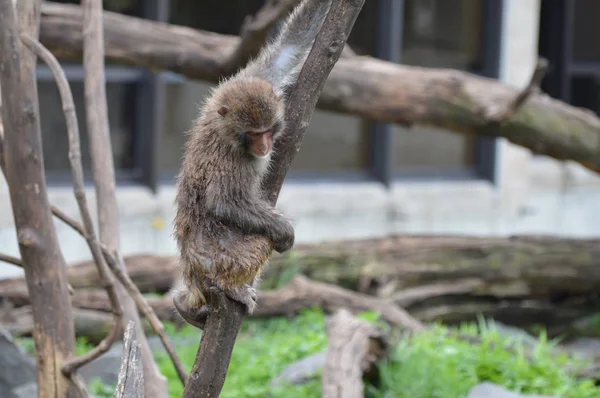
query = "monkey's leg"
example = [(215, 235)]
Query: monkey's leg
[(190, 303), (195, 316)]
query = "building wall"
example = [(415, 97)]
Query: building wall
[(532, 194)]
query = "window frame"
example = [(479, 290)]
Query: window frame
[(150, 95)]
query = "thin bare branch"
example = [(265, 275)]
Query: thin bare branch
[(11, 260), (145, 308), (505, 113), (79, 191), (112, 260), (255, 30), (155, 384)]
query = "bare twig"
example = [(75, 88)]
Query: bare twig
[(145, 308), (223, 323), (112, 260), (79, 191), (255, 30), (501, 115), (302, 292), (11, 260), (155, 384)]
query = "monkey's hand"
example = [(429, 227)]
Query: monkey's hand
[(283, 235), (244, 294)]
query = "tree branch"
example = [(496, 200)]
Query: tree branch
[(112, 260), (362, 86), (220, 332), (79, 191), (155, 384), (503, 114), (11, 260), (43, 263)]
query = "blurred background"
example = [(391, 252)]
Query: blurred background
[(353, 178)]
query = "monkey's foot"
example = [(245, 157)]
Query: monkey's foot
[(194, 316), (244, 294)]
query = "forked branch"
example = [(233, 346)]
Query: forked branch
[(112, 260), (78, 187), (508, 110), (223, 323)]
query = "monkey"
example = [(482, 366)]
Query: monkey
[(225, 230)]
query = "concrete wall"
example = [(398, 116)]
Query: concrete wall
[(534, 194)]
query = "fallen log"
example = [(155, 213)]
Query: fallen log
[(520, 280), (151, 273), (93, 325), (353, 346), (363, 86)]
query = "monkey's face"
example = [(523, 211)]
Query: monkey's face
[(258, 143), (253, 116)]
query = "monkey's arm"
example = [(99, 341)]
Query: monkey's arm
[(256, 218)]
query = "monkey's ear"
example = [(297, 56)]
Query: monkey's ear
[(223, 110)]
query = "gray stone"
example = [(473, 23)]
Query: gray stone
[(28, 390), (585, 347), (515, 333), (105, 367), (16, 366), (491, 390), (302, 370)]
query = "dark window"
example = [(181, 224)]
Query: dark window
[(150, 112), (567, 39), (120, 97)]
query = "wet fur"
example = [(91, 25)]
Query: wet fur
[(225, 230)]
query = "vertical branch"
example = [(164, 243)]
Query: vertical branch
[(79, 191), (222, 325), (44, 265), (104, 175)]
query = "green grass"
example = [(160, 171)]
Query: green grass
[(435, 364), (432, 364)]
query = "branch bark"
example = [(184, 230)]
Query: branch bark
[(78, 187), (44, 265), (212, 360), (362, 86), (155, 384), (348, 355)]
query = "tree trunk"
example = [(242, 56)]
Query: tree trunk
[(42, 259), (349, 353), (363, 86)]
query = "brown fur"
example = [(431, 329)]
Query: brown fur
[(219, 177), (224, 229)]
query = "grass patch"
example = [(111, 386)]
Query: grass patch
[(432, 364)]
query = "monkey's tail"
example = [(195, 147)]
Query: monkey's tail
[(280, 62)]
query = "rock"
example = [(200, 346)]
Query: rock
[(105, 367), (585, 347), (17, 368), (491, 390), (302, 370), (28, 390), (515, 333)]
